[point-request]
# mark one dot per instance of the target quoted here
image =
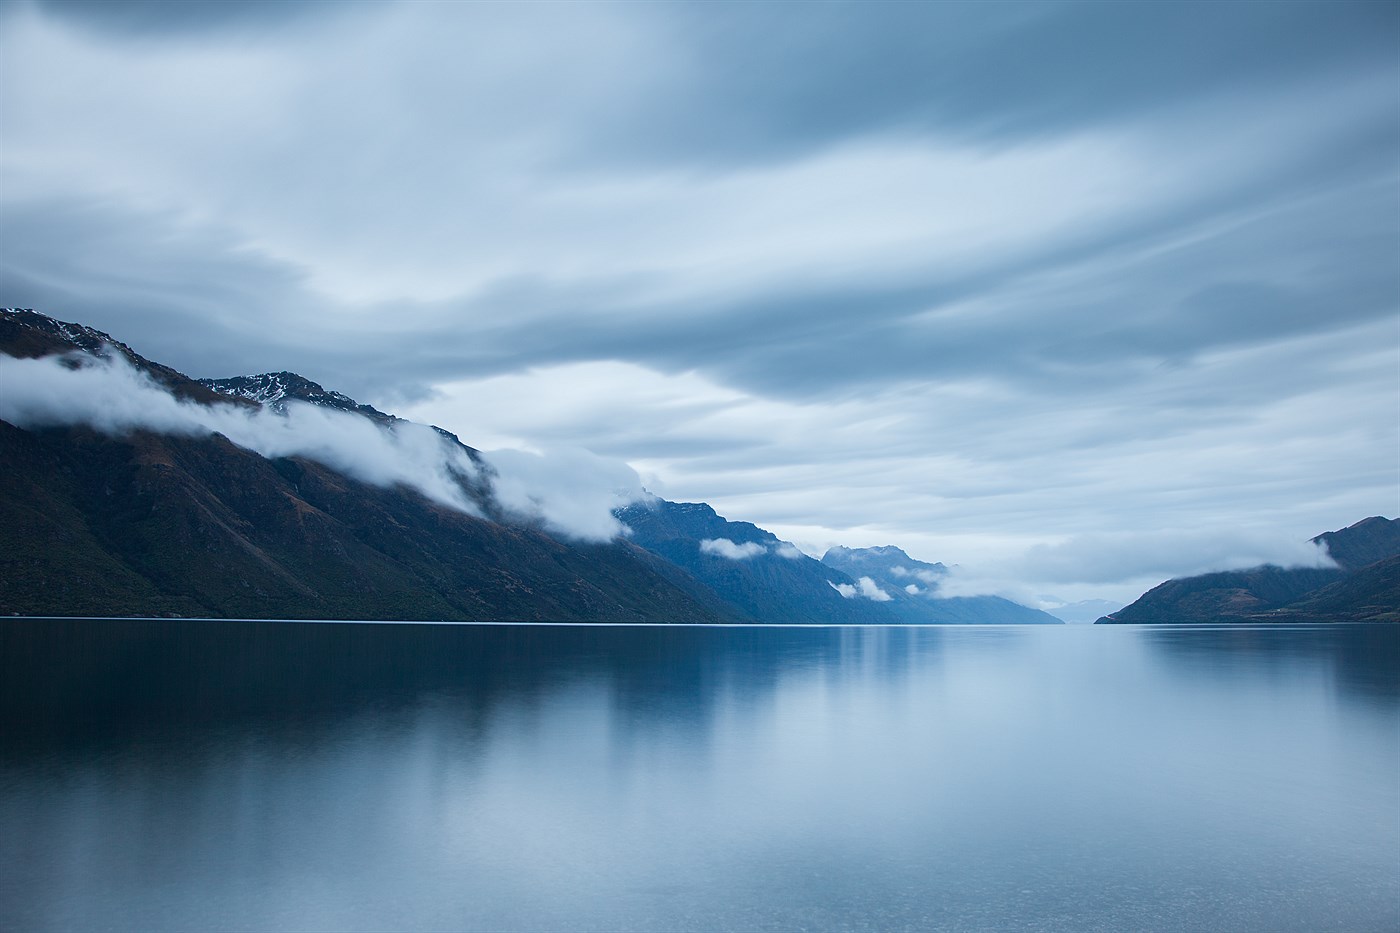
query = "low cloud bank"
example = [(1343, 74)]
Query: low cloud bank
[(1126, 564), (865, 587), (571, 493), (1108, 557)]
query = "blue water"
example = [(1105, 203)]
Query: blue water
[(181, 775)]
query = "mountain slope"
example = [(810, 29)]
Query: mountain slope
[(1235, 595), (1371, 594), (157, 525)]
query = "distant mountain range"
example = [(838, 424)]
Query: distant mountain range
[(1364, 587), (771, 580), (909, 589), (142, 522)]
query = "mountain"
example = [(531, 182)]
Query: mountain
[(770, 580), (1231, 596), (909, 589), (164, 524), (888, 561), (1363, 588), (763, 578)]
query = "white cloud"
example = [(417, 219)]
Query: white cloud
[(1109, 556), (572, 491), (912, 590), (931, 577), (789, 551), (1122, 565), (865, 587), (870, 590), (730, 550)]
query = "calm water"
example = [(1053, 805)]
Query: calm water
[(184, 775)]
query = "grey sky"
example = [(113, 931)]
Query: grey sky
[(1076, 295)]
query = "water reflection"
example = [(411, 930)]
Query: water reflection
[(174, 775), (73, 681), (1362, 660)]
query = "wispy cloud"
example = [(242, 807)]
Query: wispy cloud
[(731, 550), (865, 588)]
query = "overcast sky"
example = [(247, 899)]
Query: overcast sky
[(1078, 296)]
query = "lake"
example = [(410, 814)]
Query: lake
[(179, 775)]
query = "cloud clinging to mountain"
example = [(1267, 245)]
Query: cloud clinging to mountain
[(571, 493), (732, 550)]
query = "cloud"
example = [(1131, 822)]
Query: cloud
[(788, 551), (1125, 564), (960, 255), (913, 589), (731, 550), (865, 587), (870, 590), (1109, 556), (570, 492), (1002, 72), (931, 577)]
